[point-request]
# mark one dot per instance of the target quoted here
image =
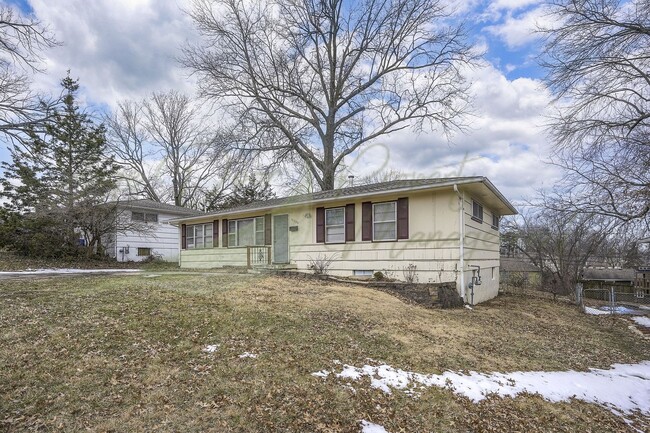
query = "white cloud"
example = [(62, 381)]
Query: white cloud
[(511, 5), (505, 140), (521, 29), (117, 48)]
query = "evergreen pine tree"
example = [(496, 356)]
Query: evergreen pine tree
[(56, 181), (244, 193)]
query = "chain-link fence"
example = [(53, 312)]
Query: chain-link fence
[(611, 299)]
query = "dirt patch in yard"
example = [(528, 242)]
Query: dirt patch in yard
[(128, 354)]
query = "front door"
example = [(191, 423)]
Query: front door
[(281, 239)]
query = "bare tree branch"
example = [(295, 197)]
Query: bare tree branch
[(321, 79), (21, 41), (169, 150), (598, 66)]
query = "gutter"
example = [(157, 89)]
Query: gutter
[(461, 238), (454, 184)]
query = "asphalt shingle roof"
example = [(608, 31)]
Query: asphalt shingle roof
[(345, 192), (511, 264), (608, 274), (154, 205)]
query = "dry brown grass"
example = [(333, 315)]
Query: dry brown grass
[(125, 354)]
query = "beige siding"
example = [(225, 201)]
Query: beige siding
[(481, 249), (213, 257)]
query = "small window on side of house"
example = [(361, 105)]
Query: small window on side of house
[(143, 252), (495, 221), (151, 217), (477, 211), (137, 216)]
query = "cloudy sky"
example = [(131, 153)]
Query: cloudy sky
[(122, 49)]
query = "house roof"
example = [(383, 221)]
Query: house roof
[(514, 264), (162, 207), (608, 274), (396, 186)]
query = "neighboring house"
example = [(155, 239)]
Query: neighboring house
[(595, 278), (151, 235), (520, 272), (444, 227)]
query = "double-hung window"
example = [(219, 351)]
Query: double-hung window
[(246, 232), (144, 217), (335, 225), (477, 211), (384, 221), (198, 236)]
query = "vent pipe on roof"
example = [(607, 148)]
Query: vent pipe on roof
[(351, 180)]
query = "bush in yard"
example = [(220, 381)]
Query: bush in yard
[(410, 273), (321, 264)]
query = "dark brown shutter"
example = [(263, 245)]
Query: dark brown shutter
[(366, 221), (320, 224), (402, 218), (215, 233), (349, 223), (267, 229), (224, 233), (183, 236)]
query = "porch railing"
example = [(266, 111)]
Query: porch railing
[(258, 256)]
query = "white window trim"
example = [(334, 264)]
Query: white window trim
[(335, 225), (381, 222), (255, 231)]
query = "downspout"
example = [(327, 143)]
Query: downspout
[(461, 239)]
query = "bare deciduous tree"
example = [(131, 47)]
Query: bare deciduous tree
[(170, 150), (21, 41), (320, 79), (129, 142), (559, 243), (599, 69)]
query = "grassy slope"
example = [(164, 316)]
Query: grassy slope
[(125, 354)]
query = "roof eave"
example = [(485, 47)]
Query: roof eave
[(477, 179)]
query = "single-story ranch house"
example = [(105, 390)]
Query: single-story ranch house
[(447, 230)]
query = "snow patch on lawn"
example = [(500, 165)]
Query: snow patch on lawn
[(369, 427), (595, 311), (248, 355), (608, 310), (65, 271), (643, 321), (211, 348), (623, 388)]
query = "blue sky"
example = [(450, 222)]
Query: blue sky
[(121, 49)]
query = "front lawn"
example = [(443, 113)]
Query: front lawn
[(131, 354)]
